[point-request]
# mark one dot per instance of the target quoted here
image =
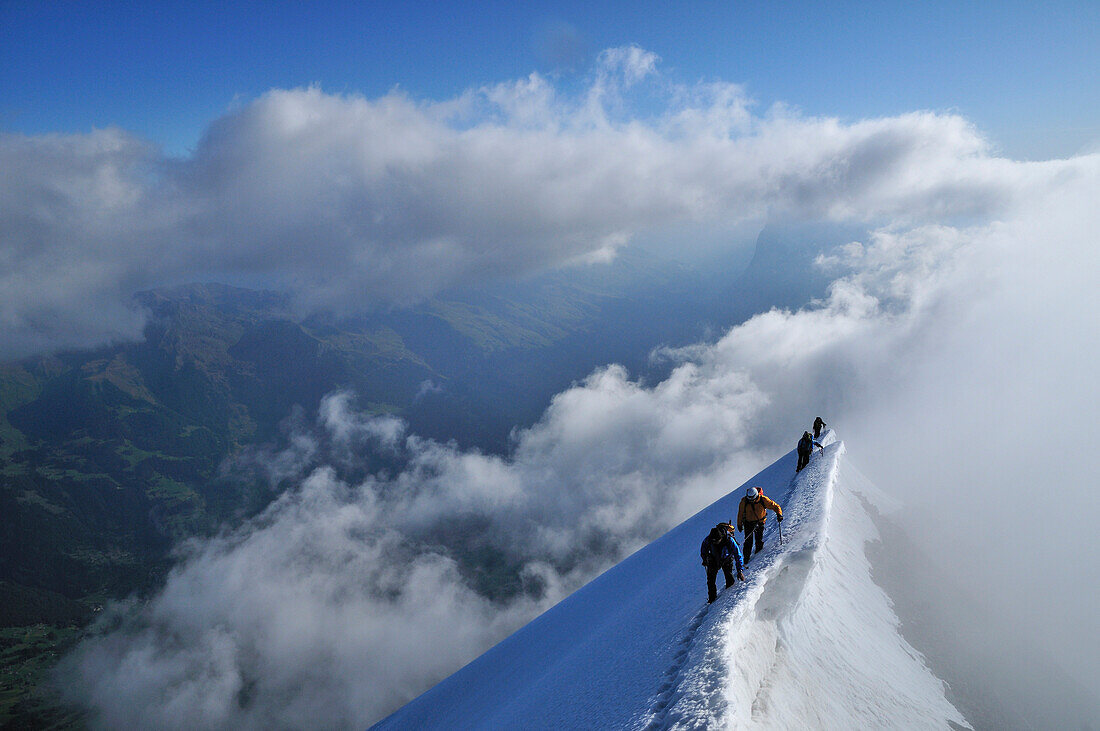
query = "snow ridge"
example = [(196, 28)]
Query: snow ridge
[(808, 641), (702, 694)]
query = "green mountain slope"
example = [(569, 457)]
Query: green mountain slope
[(111, 456)]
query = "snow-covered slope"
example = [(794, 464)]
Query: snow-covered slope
[(808, 641)]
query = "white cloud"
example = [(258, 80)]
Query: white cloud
[(630, 62), (343, 600), (350, 201)]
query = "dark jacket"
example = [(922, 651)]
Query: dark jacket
[(718, 548), (806, 445)]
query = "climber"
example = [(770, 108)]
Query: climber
[(805, 449), (718, 552), (751, 515), (819, 424)]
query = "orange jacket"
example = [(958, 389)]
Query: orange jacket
[(752, 511)]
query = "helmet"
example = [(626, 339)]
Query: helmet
[(752, 493)]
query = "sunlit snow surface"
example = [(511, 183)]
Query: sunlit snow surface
[(808, 641)]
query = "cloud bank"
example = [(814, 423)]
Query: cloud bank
[(345, 599), (352, 202)]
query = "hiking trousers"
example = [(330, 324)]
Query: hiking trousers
[(712, 574), (753, 529), (803, 460)]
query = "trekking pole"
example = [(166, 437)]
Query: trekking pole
[(780, 532)]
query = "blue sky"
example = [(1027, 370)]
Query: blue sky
[(1026, 75)]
